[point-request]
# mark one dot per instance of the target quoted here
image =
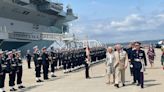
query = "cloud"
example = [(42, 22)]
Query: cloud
[(132, 22), (137, 22), (122, 30)]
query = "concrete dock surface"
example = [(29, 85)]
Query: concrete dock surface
[(76, 82)]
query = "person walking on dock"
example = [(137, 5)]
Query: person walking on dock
[(110, 59), (120, 65), (151, 55)]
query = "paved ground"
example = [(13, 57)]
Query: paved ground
[(75, 82)]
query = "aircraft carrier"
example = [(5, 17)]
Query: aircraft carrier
[(26, 23)]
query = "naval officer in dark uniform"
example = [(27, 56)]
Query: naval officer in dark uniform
[(19, 72), (129, 51), (38, 62), (139, 59), (53, 60), (2, 72), (64, 61), (45, 63), (11, 67), (28, 56)]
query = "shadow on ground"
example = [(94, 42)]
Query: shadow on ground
[(57, 78), (153, 84), (96, 77), (29, 88)]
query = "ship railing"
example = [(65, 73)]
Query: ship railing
[(24, 36), (4, 34), (51, 36)]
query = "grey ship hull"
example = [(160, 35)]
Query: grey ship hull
[(30, 24)]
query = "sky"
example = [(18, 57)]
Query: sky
[(112, 21)]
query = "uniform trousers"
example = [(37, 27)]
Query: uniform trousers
[(52, 67), (19, 74), (45, 71), (38, 70)]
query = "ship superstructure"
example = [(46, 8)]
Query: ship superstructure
[(25, 23)]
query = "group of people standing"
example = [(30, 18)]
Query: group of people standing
[(118, 59), (68, 59), (11, 64)]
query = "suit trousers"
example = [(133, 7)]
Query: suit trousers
[(119, 72)]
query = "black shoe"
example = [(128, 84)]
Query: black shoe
[(88, 77), (21, 87), (123, 85), (39, 80), (46, 78), (142, 86), (138, 84), (133, 82), (53, 76), (116, 85), (13, 89)]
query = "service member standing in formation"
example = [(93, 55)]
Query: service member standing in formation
[(45, 63), (28, 56), (19, 72), (11, 62), (121, 63), (87, 62), (3, 71), (38, 62), (53, 61), (139, 59)]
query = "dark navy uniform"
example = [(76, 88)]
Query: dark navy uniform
[(12, 67), (38, 62), (28, 56), (45, 63), (2, 73), (65, 60), (129, 52), (139, 59), (69, 62), (8, 65), (60, 58), (19, 72), (53, 62)]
